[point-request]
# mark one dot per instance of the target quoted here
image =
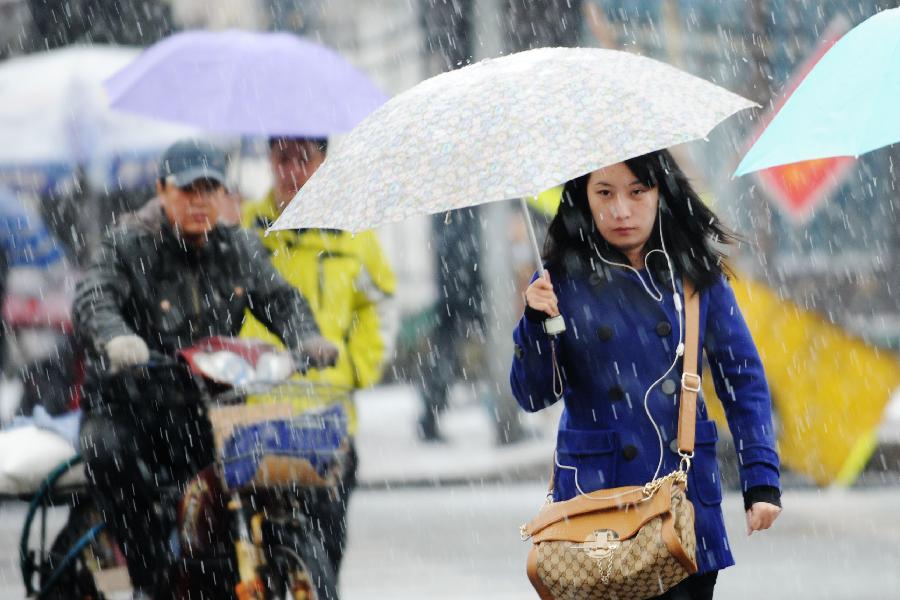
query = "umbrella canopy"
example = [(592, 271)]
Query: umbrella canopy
[(54, 115), (246, 83), (505, 128), (846, 106)]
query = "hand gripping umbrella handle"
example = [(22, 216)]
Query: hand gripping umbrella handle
[(554, 325)]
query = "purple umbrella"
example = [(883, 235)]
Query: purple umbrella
[(246, 83)]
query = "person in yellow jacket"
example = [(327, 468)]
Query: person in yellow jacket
[(349, 286)]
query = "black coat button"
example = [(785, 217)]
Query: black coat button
[(595, 279), (673, 446), (668, 387), (616, 393), (663, 328), (518, 351), (629, 452), (605, 333)]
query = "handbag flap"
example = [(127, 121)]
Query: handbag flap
[(623, 510)]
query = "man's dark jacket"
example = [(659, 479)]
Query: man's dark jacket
[(145, 280)]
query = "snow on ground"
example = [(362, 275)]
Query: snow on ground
[(391, 452)]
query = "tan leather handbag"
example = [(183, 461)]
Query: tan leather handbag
[(627, 543)]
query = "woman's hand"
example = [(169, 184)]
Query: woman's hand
[(540, 295), (761, 516)]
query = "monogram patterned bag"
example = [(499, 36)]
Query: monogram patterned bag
[(628, 543)]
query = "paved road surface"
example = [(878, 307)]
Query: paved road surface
[(462, 542)]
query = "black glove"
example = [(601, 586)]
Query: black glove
[(314, 352)]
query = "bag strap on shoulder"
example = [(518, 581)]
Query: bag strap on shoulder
[(690, 380)]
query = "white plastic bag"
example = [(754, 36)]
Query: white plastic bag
[(28, 454)]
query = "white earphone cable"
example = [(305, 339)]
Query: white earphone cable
[(679, 351)]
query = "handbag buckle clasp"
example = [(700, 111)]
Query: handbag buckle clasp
[(600, 546)]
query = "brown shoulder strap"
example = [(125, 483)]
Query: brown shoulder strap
[(690, 380)]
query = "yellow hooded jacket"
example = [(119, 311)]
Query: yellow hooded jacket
[(349, 286)]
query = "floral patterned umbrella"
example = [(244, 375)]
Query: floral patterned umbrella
[(505, 128)]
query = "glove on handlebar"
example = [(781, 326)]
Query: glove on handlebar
[(126, 351), (314, 352)]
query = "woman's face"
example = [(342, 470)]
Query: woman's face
[(624, 209)]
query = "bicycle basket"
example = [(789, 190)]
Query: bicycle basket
[(279, 443)]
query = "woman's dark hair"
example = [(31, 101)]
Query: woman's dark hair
[(691, 229)]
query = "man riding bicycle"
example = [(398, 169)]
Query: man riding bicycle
[(170, 277)]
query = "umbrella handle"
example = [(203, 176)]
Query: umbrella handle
[(554, 325)]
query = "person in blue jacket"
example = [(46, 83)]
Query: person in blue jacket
[(616, 254), (25, 242)]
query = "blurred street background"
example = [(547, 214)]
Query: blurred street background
[(819, 280)]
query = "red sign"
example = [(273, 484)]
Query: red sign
[(798, 189)]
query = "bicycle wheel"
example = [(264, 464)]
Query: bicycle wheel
[(299, 568), (82, 549)]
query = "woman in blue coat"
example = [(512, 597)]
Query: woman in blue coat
[(616, 255)]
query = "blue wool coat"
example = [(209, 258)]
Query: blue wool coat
[(619, 341)]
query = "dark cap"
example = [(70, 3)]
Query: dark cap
[(186, 161)]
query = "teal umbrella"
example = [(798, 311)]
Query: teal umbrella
[(848, 105)]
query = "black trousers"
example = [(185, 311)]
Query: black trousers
[(327, 510), (437, 373), (696, 587), (129, 454), (441, 365)]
